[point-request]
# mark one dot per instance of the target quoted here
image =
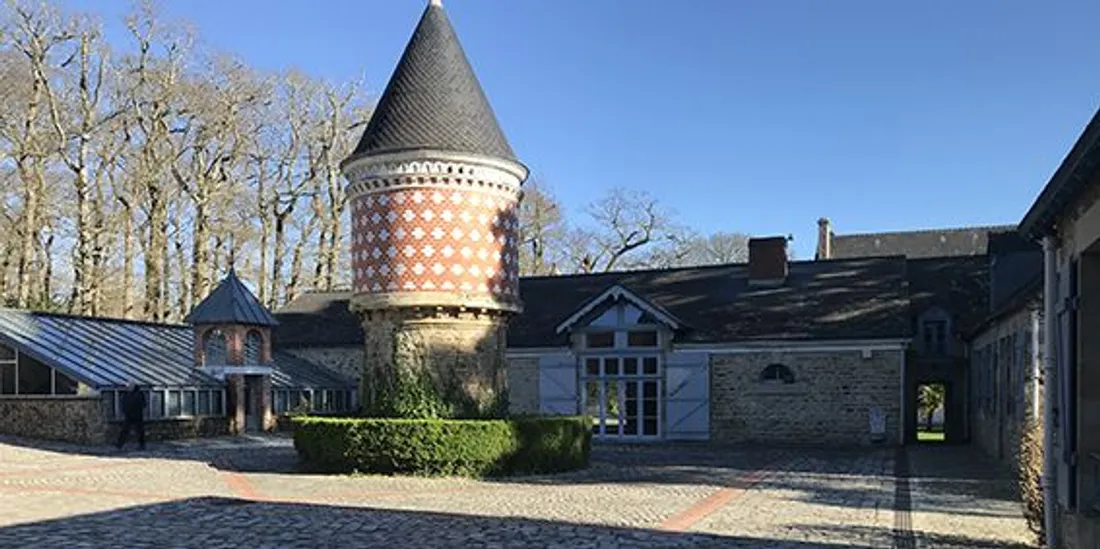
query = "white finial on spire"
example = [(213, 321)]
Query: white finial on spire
[(437, 3)]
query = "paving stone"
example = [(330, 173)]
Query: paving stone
[(245, 492)]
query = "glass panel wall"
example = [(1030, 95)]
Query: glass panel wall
[(22, 375)]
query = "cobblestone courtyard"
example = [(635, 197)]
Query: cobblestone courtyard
[(245, 493)]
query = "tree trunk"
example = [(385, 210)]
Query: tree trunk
[(292, 287), (155, 252), (184, 299), (265, 236), (82, 264), (278, 257), (46, 297), (31, 180), (128, 263), (200, 250)]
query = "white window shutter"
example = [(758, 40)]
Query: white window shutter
[(558, 384), (687, 396)]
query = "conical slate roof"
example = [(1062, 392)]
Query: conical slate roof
[(231, 303), (434, 100)]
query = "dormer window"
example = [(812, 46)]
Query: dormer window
[(935, 337), (934, 332)]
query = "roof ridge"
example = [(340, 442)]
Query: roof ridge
[(96, 318), (708, 267), (927, 231)]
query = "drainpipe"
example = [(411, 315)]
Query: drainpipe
[(1036, 365), (1050, 271)]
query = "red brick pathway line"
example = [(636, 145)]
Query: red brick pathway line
[(703, 508), (240, 486)]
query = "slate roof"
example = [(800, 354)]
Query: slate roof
[(841, 299), (111, 353), (965, 241), (434, 100), (318, 319), (956, 284), (1078, 169), (231, 303)]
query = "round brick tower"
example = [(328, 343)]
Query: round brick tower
[(434, 187)]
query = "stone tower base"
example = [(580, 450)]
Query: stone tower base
[(451, 357)]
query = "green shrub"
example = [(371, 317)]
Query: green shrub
[(551, 444), (441, 446)]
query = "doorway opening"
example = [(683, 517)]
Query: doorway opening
[(931, 412)]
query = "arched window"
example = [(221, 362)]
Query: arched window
[(253, 343), (777, 373), (214, 348)]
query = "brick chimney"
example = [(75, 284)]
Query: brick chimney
[(824, 239), (767, 260)]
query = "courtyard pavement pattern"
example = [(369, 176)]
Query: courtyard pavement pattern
[(245, 492)]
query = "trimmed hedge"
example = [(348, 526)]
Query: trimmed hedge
[(443, 446)]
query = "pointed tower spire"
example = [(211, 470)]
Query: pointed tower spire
[(433, 100)]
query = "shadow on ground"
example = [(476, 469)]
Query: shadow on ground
[(926, 539), (222, 522), (241, 454)]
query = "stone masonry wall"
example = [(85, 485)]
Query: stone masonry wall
[(828, 404), (174, 429), (995, 426), (346, 361), (72, 419), (523, 385), (463, 347)]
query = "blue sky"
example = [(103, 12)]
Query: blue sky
[(755, 117)]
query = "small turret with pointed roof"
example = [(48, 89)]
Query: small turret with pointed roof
[(231, 326), (231, 303)]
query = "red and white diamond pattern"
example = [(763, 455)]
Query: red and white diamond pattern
[(435, 240)]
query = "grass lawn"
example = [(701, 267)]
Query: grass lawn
[(930, 436)]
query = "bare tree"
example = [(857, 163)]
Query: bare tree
[(686, 248), (38, 34), (155, 75), (625, 222), (542, 230)]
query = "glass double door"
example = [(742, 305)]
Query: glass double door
[(621, 398)]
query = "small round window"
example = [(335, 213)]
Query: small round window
[(777, 373)]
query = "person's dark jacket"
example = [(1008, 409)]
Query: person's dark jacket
[(133, 405)]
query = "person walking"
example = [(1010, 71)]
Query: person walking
[(133, 413)]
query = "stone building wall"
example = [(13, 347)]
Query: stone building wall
[(174, 429), (346, 361), (1002, 396), (78, 419), (523, 385), (829, 402), (465, 348)]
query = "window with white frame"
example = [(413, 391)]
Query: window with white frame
[(169, 403), (621, 372), (285, 401)]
